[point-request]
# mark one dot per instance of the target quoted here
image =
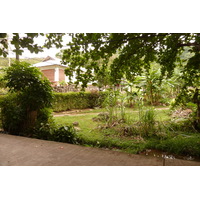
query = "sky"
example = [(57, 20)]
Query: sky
[(40, 41)]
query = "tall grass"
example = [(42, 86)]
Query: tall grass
[(145, 132), (114, 104), (109, 104), (147, 121)]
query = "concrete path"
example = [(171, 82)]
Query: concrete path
[(22, 151)]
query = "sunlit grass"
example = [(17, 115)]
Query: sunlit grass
[(93, 136), (86, 124)]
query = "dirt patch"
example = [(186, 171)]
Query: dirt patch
[(167, 108), (73, 112), (82, 112), (181, 113)]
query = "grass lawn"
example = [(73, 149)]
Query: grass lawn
[(86, 124), (92, 136), (177, 142)]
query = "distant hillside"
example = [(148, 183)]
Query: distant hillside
[(4, 61)]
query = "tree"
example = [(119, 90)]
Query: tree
[(136, 52), (22, 41), (29, 93), (103, 79)]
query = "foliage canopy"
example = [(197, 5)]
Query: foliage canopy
[(135, 51), (27, 41), (90, 53)]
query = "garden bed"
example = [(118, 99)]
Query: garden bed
[(91, 133)]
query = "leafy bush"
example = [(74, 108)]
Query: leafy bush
[(65, 134), (44, 115), (77, 100), (12, 114), (29, 93), (53, 132), (30, 85)]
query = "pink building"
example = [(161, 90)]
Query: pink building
[(53, 70)]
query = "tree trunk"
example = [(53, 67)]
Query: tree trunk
[(198, 115), (17, 50), (196, 100), (151, 92), (17, 56), (30, 120)]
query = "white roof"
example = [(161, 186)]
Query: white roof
[(49, 62)]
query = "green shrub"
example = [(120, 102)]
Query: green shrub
[(54, 132), (77, 100), (43, 131), (65, 134), (12, 114), (44, 115), (29, 94), (31, 86)]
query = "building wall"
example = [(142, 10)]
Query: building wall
[(49, 73), (61, 75), (54, 73)]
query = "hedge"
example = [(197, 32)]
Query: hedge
[(77, 100)]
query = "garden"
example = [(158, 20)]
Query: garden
[(141, 118), (147, 102), (141, 130)]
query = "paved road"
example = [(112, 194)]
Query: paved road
[(22, 151)]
